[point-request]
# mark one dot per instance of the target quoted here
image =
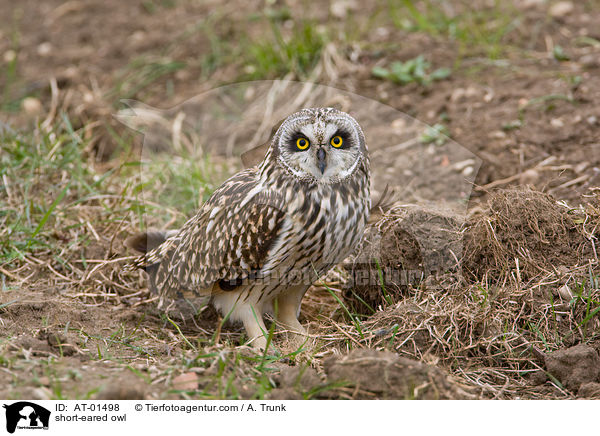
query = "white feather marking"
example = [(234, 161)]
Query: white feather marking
[(346, 173), (251, 194), (213, 212)]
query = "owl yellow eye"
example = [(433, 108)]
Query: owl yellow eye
[(337, 141), (302, 143)]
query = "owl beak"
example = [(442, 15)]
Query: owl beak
[(321, 157)]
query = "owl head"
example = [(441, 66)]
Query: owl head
[(322, 145)]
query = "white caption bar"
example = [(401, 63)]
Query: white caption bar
[(295, 417)]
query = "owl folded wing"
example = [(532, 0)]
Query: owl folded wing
[(230, 247), (226, 242)]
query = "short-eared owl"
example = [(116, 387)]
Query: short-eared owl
[(269, 231)]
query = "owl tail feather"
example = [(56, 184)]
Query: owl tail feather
[(145, 243)]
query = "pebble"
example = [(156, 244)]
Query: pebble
[(590, 60), (561, 9), (529, 177), (464, 93), (249, 93), (138, 36), (31, 105), (186, 382), (565, 292), (9, 56), (463, 164), (468, 171), (399, 124), (557, 122), (382, 32), (44, 49), (497, 134), (340, 8), (528, 4), (580, 167), (591, 120)]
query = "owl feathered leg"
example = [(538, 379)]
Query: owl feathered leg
[(255, 326), (288, 309)]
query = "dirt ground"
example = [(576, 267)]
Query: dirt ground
[(506, 304)]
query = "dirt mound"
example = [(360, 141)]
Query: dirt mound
[(574, 366), (524, 231), (409, 243), (389, 376)]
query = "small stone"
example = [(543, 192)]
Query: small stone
[(249, 93), (459, 166), (186, 382), (382, 32), (183, 75), (591, 120), (468, 171), (557, 123), (580, 167), (529, 177), (529, 4), (31, 105), (457, 94), (565, 292), (464, 93), (88, 97), (44, 49), (138, 36), (497, 134), (561, 9), (399, 124), (340, 8), (590, 60), (9, 56)]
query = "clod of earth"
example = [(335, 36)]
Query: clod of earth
[(589, 390), (574, 366), (123, 390), (294, 382), (403, 247), (392, 377)]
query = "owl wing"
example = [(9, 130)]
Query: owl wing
[(227, 241)]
